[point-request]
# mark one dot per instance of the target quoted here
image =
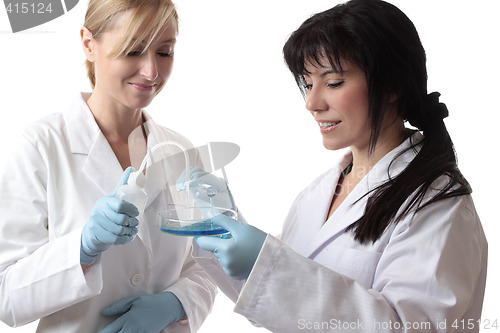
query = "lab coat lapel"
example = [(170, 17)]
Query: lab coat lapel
[(311, 214), (102, 166), (316, 209), (85, 138), (347, 213)]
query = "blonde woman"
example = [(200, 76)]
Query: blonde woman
[(71, 254)]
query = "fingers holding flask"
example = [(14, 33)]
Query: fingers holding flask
[(237, 255), (206, 189)]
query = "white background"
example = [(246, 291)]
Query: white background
[(230, 84)]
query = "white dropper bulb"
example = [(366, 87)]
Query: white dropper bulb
[(133, 191)]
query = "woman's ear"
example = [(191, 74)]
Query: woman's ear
[(88, 43)]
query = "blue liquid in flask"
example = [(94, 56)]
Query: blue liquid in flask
[(196, 229)]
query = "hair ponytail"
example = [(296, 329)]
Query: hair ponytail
[(435, 159), (433, 112)]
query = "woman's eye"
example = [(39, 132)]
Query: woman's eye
[(165, 54), (335, 84), (134, 54)]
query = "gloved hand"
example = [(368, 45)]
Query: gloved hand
[(149, 313), (112, 221), (197, 176), (237, 254)]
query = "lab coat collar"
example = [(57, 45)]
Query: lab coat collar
[(82, 127), (351, 209), (86, 138)]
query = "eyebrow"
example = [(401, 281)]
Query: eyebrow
[(334, 71), (168, 41), (329, 71), (326, 72)]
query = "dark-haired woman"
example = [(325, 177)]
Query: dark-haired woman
[(388, 239)]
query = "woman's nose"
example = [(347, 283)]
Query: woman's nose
[(149, 68), (315, 100)]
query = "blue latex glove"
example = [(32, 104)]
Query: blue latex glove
[(197, 176), (149, 313), (112, 221), (237, 254)]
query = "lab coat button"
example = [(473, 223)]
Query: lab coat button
[(137, 279)]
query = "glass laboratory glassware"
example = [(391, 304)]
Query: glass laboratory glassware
[(183, 220)]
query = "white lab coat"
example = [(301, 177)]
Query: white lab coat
[(64, 164), (426, 273)]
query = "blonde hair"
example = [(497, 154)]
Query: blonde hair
[(151, 15)]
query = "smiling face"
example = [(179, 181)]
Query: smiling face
[(339, 104), (131, 80)]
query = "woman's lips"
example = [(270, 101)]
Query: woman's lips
[(328, 126), (142, 86)]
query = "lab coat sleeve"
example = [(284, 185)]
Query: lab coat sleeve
[(230, 287), (196, 291), (427, 275), (38, 276)]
